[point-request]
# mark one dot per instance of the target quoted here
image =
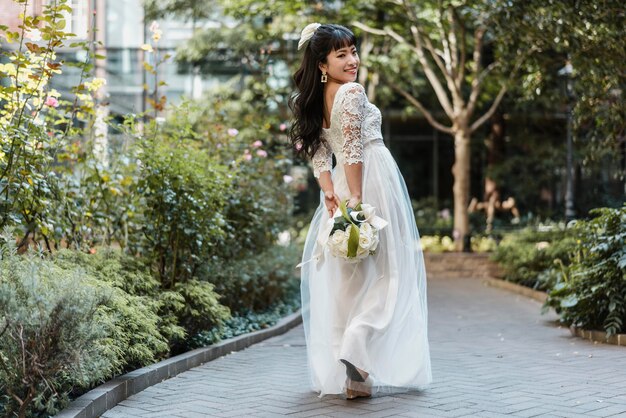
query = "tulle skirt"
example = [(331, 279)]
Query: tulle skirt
[(372, 314)]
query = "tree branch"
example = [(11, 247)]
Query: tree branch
[(452, 41), (476, 86), (429, 117), (478, 44), (417, 38), (428, 71), (491, 110), (461, 73), (369, 29), (442, 34)]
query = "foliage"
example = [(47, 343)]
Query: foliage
[(528, 256), (35, 123), (95, 203), (247, 322), (150, 318), (201, 307), (585, 34), (142, 324), (183, 195), (54, 333), (440, 244), (255, 282), (242, 131), (429, 218), (591, 292)]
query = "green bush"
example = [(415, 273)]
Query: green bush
[(148, 316), (183, 192), (528, 256), (591, 292), (243, 133), (142, 326), (54, 333), (440, 244), (257, 281), (247, 322), (429, 219), (95, 204)]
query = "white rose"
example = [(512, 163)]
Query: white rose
[(365, 240), (366, 229), (336, 242)]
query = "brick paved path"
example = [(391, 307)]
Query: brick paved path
[(493, 355)]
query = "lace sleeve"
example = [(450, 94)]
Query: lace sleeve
[(351, 117), (322, 160)]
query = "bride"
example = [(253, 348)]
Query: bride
[(365, 324)]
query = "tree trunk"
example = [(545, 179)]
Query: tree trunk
[(461, 173), (495, 146)]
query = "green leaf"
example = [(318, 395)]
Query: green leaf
[(353, 241), (569, 301), (344, 210)]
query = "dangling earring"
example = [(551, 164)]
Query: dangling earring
[(324, 77)]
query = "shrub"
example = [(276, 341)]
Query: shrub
[(257, 281), (528, 256), (429, 219), (148, 316), (184, 194), (53, 333), (439, 244), (591, 293), (246, 322), (142, 326), (200, 308)]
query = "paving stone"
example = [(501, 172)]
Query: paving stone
[(493, 355)]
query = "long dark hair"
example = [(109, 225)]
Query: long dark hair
[(307, 104)]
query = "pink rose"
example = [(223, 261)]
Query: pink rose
[(261, 153), (232, 132), (247, 157), (219, 146), (282, 127), (299, 146), (52, 102), (257, 144)]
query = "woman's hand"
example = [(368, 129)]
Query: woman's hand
[(332, 202), (353, 202)]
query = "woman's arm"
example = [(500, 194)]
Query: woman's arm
[(322, 164), (352, 115), (331, 200), (354, 176)]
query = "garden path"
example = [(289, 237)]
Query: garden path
[(493, 355)]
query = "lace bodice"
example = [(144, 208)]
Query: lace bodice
[(354, 122)]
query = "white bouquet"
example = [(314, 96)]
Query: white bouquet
[(354, 233)]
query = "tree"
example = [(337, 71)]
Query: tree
[(587, 37), (446, 40)]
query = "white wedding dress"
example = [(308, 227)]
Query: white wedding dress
[(372, 314)]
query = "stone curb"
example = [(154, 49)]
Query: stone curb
[(104, 397), (595, 336), (599, 336)]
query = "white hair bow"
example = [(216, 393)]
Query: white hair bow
[(307, 33)]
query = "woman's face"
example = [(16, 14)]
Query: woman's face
[(342, 64)]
